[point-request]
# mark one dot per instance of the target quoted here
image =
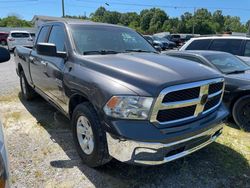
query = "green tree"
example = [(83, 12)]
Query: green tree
[(98, 14), (146, 16), (233, 24), (186, 23), (203, 22), (14, 21), (127, 18), (218, 21)]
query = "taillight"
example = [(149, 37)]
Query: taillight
[(11, 39)]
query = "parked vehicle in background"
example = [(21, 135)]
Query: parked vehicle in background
[(123, 98), (19, 38), (237, 79), (149, 39), (4, 164), (161, 42), (3, 38), (33, 36), (235, 45), (186, 37), (176, 38), (164, 43)]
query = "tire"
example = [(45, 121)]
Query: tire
[(93, 149), (241, 112), (27, 91)]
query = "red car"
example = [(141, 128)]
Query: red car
[(3, 38)]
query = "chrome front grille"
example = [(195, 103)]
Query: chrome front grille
[(179, 103)]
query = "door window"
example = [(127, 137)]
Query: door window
[(227, 45), (247, 49), (57, 37), (43, 34), (199, 44)]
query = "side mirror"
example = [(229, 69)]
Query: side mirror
[(49, 49), (4, 55), (158, 48)]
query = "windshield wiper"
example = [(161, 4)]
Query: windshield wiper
[(237, 72), (102, 52), (139, 50)]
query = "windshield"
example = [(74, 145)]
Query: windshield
[(227, 63), (92, 38)]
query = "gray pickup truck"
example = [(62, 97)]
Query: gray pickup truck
[(124, 99)]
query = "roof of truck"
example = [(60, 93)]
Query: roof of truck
[(84, 22)]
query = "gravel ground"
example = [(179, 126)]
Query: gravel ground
[(8, 77), (42, 153)]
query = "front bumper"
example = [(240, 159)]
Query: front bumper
[(146, 153)]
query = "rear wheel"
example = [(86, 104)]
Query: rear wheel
[(26, 90), (241, 112), (89, 136)]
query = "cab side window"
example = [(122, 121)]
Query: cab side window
[(42, 37), (247, 49), (57, 37)]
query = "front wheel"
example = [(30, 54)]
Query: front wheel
[(89, 136), (241, 112)]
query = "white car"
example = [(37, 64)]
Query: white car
[(19, 38), (236, 45)]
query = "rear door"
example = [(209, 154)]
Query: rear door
[(37, 63)]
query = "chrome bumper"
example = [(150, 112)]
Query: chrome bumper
[(157, 153)]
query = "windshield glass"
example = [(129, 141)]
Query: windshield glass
[(227, 63), (89, 38)]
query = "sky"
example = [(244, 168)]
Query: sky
[(26, 9)]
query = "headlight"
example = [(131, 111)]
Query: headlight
[(128, 107)]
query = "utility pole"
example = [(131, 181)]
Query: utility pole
[(193, 21), (63, 12)]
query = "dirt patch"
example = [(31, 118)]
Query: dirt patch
[(42, 154)]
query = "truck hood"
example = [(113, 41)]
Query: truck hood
[(147, 73)]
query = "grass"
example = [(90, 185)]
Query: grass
[(236, 139), (9, 98)]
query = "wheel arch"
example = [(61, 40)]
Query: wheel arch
[(19, 68), (238, 96), (74, 100)]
